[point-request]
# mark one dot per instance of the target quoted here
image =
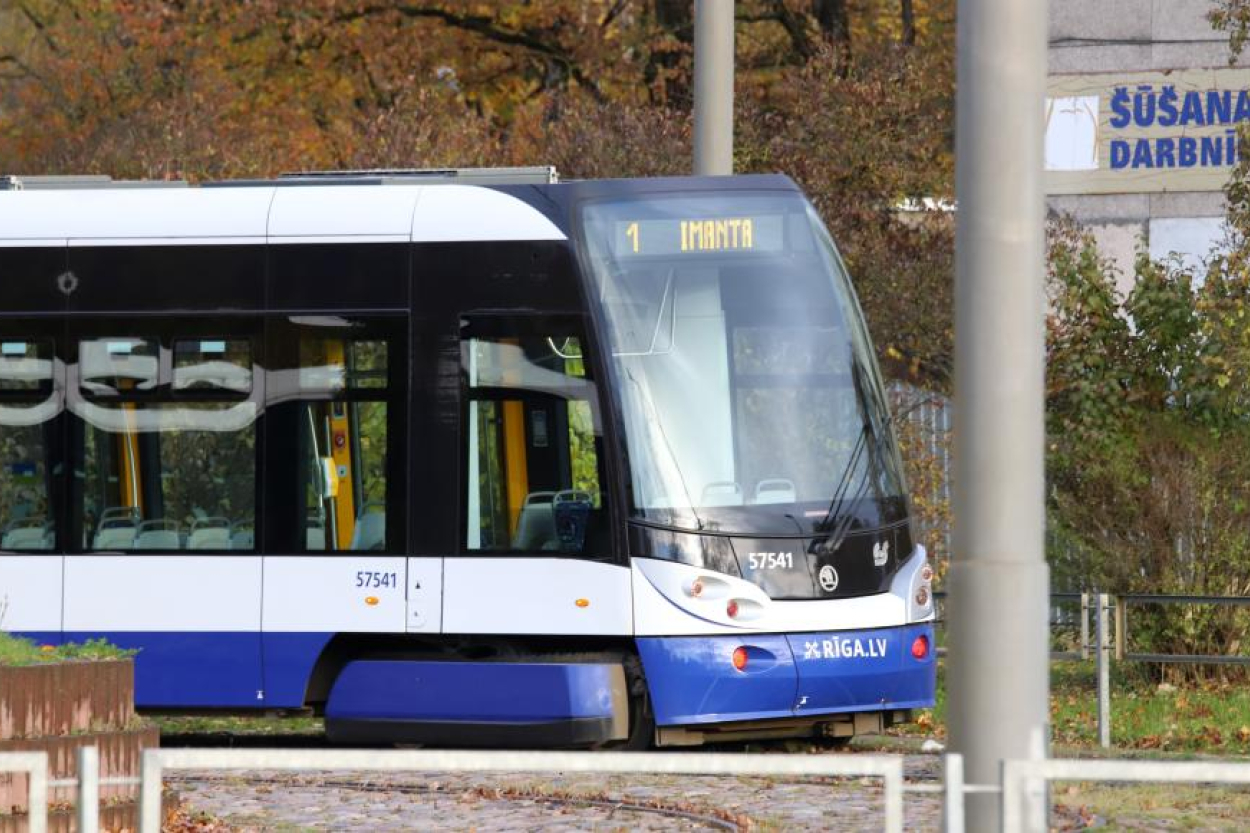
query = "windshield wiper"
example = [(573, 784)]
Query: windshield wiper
[(840, 515)]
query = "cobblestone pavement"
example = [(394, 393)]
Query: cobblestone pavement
[(487, 802)]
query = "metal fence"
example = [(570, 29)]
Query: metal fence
[(929, 414), (158, 762), (1019, 778), (1022, 786), (1100, 630)]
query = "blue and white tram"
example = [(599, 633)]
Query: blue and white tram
[(469, 458)]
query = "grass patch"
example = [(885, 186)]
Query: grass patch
[(258, 725), (1154, 806), (15, 650), (1208, 719)]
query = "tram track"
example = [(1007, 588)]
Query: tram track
[(646, 802), (705, 818)]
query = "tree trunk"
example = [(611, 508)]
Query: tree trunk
[(834, 19), (675, 18), (909, 23)]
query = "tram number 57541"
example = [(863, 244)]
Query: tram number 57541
[(771, 560), (368, 578)]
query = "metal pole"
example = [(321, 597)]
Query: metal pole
[(37, 805), (1104, 671), (151, 774), (714, 87), (1084, 626), (998, 581), (953, 780), (88, 789), (1121, 628)]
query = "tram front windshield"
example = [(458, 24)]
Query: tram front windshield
[(744, 374)]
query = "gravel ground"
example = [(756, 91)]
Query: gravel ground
[(487, 802)]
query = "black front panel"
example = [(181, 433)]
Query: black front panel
[(166, 279), (33, 279), (823, 568), (335, 276), (862, 563)]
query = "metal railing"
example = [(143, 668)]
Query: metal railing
[(1021, 777), (1112, 642), (1022, 782), (157, 762), (1122, 604), (1103, 625)]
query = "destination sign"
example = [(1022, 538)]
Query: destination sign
[(699, 235)]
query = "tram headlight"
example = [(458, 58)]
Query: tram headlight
[(696, 588), (922, 595), (926, 573)]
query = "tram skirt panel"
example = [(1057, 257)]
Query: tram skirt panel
[(497, 704)]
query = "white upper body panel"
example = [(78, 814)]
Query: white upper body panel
[(352, 592), (124, 216), (201, 593), (363, 213), (534, 595), (456, 213), (256, 214), (30, 592)]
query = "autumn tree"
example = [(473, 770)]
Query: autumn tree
[(851, 97)]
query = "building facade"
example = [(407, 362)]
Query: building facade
[(1142, 106)]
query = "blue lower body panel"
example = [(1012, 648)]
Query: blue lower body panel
[(693, 681), (213, 669), (471, 691), (289, 659), (495, 703), (191, 669)]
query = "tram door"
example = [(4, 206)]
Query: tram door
[(536, 533), (335, 496)]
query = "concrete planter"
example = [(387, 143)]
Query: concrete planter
[(60, 707)]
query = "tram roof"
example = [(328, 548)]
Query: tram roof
[(377, 206)]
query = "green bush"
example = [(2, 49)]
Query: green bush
[(1148, 417), (15, 650)]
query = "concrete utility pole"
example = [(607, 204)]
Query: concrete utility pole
[(713, 87), (998, 581)]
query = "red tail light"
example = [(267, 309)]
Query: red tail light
[(920, 648), (731, 609), (740, 658)]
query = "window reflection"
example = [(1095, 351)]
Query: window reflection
[(533, 446), (28, 405), (169, 477), (24, 507), (343, 388)]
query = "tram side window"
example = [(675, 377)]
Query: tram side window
[(166, 438), (166, 477), (344, 441), (533, 446), (27, 407)]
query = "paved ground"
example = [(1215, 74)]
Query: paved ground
[(483, 802)]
